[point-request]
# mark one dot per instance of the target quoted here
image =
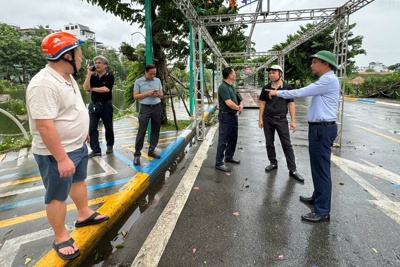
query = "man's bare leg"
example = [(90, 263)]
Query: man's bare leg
[(56, 212), (78, 193)]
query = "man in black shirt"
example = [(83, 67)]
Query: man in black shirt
[(272, 117), (100, 83)]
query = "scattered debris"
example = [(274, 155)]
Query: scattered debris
[(196, 188), (194, 250), (27, 260), (236, 213), (120, 246), (374, 249)]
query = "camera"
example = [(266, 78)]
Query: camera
[(93, 68)]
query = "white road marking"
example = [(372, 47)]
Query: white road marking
[(23, 155), (10, 247), (153, 248), (372, 169), (390, 208), (104, 165)]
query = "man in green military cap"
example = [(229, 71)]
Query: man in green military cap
[(322, 131)]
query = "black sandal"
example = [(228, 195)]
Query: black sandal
[(68, 243)]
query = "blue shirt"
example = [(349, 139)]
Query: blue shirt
[(325, 97), (143, 85)]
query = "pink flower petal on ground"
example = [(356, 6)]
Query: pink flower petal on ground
[(196, 188), (228, 173), (280, 256), (236, 213), (194, 250)]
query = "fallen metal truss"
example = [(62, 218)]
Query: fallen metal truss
[(326, 16)]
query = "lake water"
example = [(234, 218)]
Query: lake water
[(8, 127)]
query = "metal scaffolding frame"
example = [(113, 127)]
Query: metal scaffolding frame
[(326, 16), (340, 49)]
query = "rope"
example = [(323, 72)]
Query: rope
[(122, 110)]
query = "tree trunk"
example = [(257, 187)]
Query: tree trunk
[(160, 61)]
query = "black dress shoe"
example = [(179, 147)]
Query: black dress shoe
[(153, 155), (271, 167), (296, 176), (232, 160), (307, 200), (109, 150), (94, 154), (136, 160), (313, 217), (223, 168)]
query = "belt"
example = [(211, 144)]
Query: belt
[(154, 105), (227, 112), (324, 123), (101, 103), (277, 116)]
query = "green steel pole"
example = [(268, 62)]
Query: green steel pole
[(191, 97), (149, 38), (149, 46)]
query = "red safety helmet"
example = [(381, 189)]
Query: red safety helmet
[(57, 43)]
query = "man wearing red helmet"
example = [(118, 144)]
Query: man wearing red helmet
[(59, 124)]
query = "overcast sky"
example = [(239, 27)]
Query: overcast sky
[(378, 22)]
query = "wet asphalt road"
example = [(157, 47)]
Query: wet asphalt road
[(252, 218), (266, 229)]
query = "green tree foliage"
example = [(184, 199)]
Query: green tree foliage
[(20, 52), (376, 85), (394, 67), (135, 71), (169, 24), (297, 61), (168, 21)]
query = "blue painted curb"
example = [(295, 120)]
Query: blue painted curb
[(366, 100), (172, 151)]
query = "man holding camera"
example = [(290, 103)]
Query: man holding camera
[(100, 83), (148, 90)]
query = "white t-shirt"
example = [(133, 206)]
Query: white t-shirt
[(50, 96)]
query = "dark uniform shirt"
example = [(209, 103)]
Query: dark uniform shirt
[(277, 106), (106, 80), (225, 92)]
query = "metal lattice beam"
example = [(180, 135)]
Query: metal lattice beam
[(187, 9), (253, 25), (345, 10), (245, 64), (268, 17), (250, 54)]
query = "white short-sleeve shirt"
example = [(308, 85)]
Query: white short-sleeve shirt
[(50, 96)]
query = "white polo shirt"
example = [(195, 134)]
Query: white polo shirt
[(50, 96)]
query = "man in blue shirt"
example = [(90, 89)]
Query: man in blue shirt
[(321, 116), (148, 90)]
